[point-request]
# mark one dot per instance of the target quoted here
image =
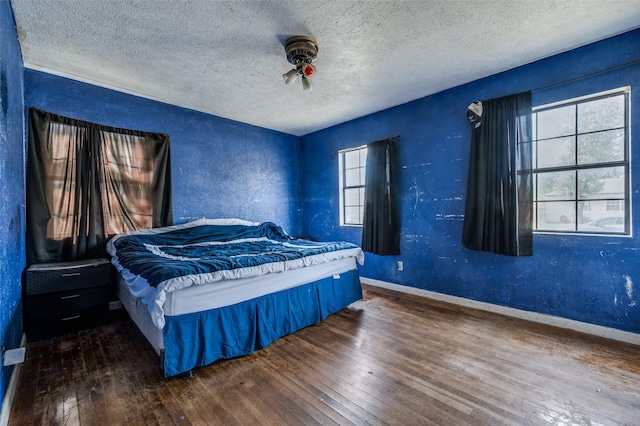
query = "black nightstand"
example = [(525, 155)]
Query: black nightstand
[(66, 297)]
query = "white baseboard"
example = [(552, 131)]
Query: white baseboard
[(583, 327), (11, 390)]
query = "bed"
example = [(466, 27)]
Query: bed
[(212, 289)]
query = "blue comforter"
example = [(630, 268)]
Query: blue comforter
[(211, 248)]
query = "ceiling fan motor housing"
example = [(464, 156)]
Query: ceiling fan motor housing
[(301, 50)]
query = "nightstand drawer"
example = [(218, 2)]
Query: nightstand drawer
[(64, 297), (47, 278), (64, 302), (43, 328)]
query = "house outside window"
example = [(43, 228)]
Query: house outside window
[(581, 165), (352, 165), (615, 206)]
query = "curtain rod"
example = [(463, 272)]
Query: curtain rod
[(550, 86), (592, 74), (393, 139)]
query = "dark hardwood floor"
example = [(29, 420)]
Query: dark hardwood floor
[(392, 358)]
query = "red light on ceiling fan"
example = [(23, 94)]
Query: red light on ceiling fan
[(308, 70)]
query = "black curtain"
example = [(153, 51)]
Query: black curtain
[(380, 227), (499, 204), (87, 182)]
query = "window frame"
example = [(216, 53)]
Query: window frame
[(342, 185), (576, 168)]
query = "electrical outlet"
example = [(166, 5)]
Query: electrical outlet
[(13, 356), (400, 265)]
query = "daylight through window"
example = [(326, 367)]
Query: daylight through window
[(352, 164), (581, 165)]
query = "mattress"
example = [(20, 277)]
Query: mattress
[(229, 292)]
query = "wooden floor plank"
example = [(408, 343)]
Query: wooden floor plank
[(440, 401), (511, 372), (419, 365), (391, 358), (352, 378), (330, 382), (298, 399)]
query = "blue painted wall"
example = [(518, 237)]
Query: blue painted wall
[(590, 279), (12, 253), (221, 168)]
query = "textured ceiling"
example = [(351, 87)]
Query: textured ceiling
[(226, 58)]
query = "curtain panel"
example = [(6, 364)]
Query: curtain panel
[(87, 182), (499, 204), (381, 227)]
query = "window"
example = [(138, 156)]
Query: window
[(581, 165), (125, 177), (87, 182), (352, 165)]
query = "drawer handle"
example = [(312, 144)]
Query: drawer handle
[(71, 274), (71, 318), (69, 297)]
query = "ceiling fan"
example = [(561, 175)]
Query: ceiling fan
[(302, 52)]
